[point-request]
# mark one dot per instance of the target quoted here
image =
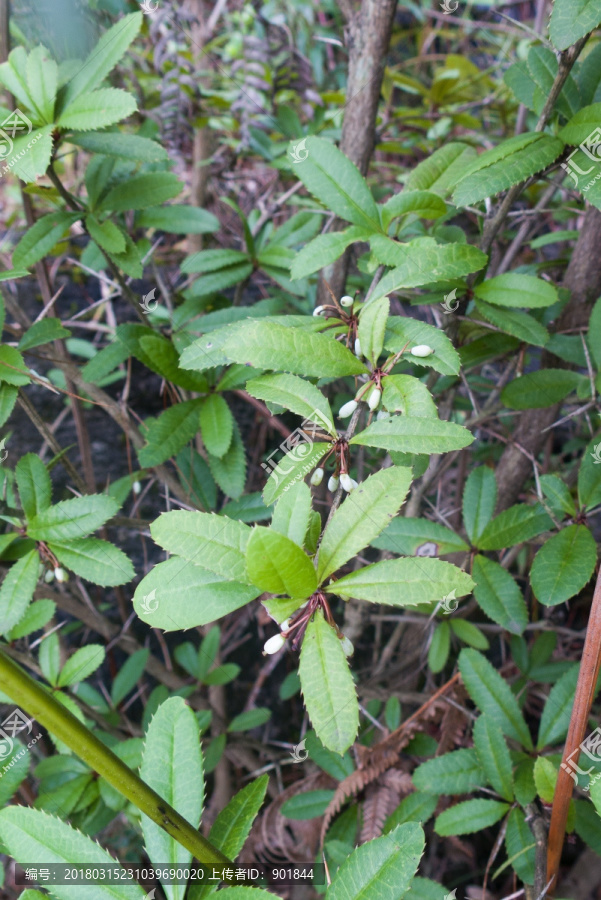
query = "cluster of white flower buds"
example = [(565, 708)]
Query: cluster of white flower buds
[(58, 573)]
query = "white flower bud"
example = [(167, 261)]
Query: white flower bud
[(355, 483), (374, 398), (347, 646), (285, 625), (357, 347), (136, 487), (347, 482), (274, 644), (317, 477), (318, 310), (346, 300), (333, 483), (422, 350), (49, 576), (382, 414), (348, 409), (60, 574)]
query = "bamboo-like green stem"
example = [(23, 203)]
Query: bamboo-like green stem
[(52, 715)]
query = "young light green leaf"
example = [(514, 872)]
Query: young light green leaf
[(404, 582), (544, 387), (216, 425), (98, 109), (81, 664), (514, 322), (325, 249), (269, 345), (470, 816), (563, 565), (328, 687), (142, 191), (106, 234), (13, 369), (292, 513), (408, 395), (297, 395), (419, 537), (373, 319), (276, 564), (13, 75), (404, 332), (479, 501), (414, 435), (213, 542), (72, 518), (457, 772), (362, 517), (572, 20), (334, 180), (424, 204), (39, 240), (290, 469), (33, 482), (493, 696), (172, 766), (515, 525), (29, 834), (42, 81), (545, 778), (514, 289), (498, 595), (17, 590), (170, 432), (95, 560), (493, 753)]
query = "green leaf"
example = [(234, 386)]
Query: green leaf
[(589, 476), (493, 753), (594, 333), (81, 664), (216, 425), (339, 767), (479, 501), (213, 542), (97, 109), (418, 537), (469, 633), (424, 204), (440, 645), (545, 778), (457, 772), (416, 807), (544, 387), (13, 369), (268, 345), (373, 319), (13, 76), (72, 518), (511, 162), (49, 657), (492, 695), (42, 81), (124, 146), (520, 846), (308, 805), (11, 779), (104, 56), (408, 395), (43, 332), (422, 261), (381, 869), (95, 560), (31, 153), (36, 616), (106, 234), (178, 219), (558, 495), (414, 435), (470, 816), (172, 766), (515, 525), (177, 594), (563, 565), (325, 249), (328, 687), (33, 482), (404, 582), (142, 191), (230, 472), (39, 240), (129, 261), (295, 394), (337, 183), (17, 590), (404, 331), (251, 718), (543, 66), (160, 355), (514, 322), (362, 517), (292, 513), (572, 20), (276, 564), (290, 470), (29, 834), (513, 289), (170, 432), (212, 260), (440, 171), (498, 595), (218, 281), (128, 675)]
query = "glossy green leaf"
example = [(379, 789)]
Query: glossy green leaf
[(414, 435), (170, 432), (74, 518), (373, 320), (515, 525), (425, 204), (290, 469), (563, 565), (498, 595), (408, 395), (514, 322), (297, 395), (457, 772), (493, 696), (469, 817), (292, 513), (325, 249), (276, 564), (214, 542), (514, 289), (493, 754), (216, 425), (404, 582), (95, 560)]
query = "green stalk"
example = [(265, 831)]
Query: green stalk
[(53, 716)]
